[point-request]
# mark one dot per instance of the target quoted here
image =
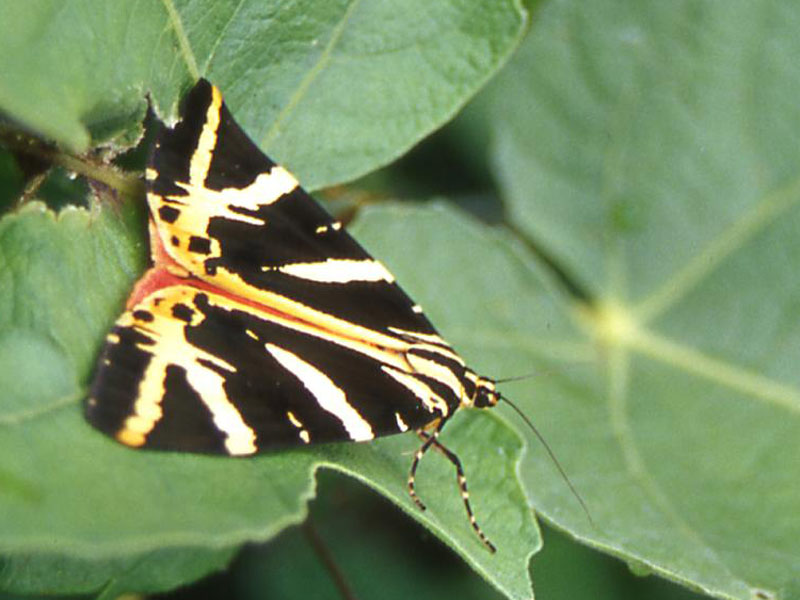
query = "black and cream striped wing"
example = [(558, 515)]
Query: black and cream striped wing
[(232, 217), (188, 369), (263, 323)]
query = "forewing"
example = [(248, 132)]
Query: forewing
[(232, 217)]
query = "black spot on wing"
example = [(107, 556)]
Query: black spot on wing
[(182, 312), (236, 161), (169, 214), (143, 315), (199, 245)]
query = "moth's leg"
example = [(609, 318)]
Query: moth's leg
[(432, 440), (412, 474)]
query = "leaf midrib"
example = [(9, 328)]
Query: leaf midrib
[(17, 418), (717, 251), (309, 77), (618, 394), (183, 40)]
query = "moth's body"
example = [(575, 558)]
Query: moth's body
[(262, 323)]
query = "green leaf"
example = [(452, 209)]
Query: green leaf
[(66, 490), (309, 81), (651, 150), (152, 571)]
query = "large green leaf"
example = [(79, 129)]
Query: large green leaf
[(651, 149), (358, 81), (70, 495)]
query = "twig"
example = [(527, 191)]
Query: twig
[(326, 557)]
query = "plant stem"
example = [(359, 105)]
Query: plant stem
[(126, 185), (327, 559)]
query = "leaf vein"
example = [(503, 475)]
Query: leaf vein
[(221, 35), (183, 40), (12, 419), (619, 368), (310, 76), (699, 363), (717, 251)]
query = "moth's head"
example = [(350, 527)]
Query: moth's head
[(486, 395)]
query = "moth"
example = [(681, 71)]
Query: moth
[(262, 323)]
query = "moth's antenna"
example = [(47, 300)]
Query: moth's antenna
[(517, 378), (538, 373), (549, 451)]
